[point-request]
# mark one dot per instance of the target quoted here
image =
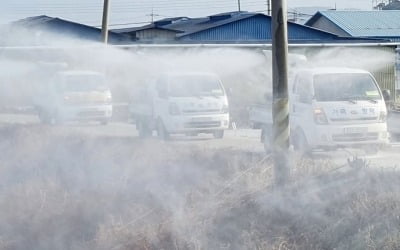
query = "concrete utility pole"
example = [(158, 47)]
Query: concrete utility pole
[(152, 15), (104, 26), (268, 7), (280, 110), (239, 5)]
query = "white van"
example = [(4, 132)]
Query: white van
[(336, 107), (182, 103), (74, 96)]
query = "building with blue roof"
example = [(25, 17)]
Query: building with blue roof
[(231, 27), (384, 24), (46, 27)]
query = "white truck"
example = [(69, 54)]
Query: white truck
[(182, 103), (331, 108), (74, 96)]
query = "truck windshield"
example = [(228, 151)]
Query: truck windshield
[(196, 85), (345, 87), (84, 83)]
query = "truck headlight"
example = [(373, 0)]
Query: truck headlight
[(174, 109), (319, 116)]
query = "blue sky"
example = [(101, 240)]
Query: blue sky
[(138, 12)]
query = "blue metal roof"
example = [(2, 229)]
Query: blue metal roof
[(251, 28), (383, 23), (67, 28), (234, 27)]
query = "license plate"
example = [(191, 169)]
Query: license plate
[(355, 130)]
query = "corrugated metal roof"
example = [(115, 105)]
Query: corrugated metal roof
[(188, 25), (67, 28), (250, 27), (395, 5), (233, 27), (384, 23)]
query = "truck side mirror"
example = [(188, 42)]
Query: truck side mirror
[(386, 94)]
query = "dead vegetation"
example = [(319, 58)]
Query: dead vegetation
[(74, 192)]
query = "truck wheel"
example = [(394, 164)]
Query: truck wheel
[(162, 133), (267, 144), (104, 122), (51, 118), (300, 143), (43, 116), (143, 129), (219, 134), (54, 118), (256, 126), (266, 138)]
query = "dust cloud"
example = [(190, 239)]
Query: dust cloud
[(64, 188)]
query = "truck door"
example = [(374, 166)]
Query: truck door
[(301, 105)]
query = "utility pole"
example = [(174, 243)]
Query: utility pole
[(152, 15), (239, 5), (269, 7), (281, 130), (104, 26)]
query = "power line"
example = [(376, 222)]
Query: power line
[(127, 8), (175, 9), (130, 5), (121, 24)]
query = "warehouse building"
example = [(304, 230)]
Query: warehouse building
[(46, 29), (383, 24), (231, 27)]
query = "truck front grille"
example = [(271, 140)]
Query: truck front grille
[(207, 124), (201, 112), (91, 113)]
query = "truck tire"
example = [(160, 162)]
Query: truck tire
[(266, 138), (104, 122), (218, 134), (51, 118), (143, 128), (43, 116), (54, 118), (162, 133), (300, 143)]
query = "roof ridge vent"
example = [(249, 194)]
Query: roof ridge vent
[(220, 17), (162, 22)]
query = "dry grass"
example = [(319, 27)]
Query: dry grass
[(75, 192)]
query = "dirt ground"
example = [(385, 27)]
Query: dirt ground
[(83, 192)]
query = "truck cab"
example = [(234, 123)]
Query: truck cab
[(183, 103), (74, 96), (336, 107)]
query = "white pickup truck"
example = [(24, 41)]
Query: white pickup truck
[(74, 96), (331, 108), (182, 103)]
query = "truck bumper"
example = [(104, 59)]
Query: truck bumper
[(349, 135), (199, 124), (78, 113)]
